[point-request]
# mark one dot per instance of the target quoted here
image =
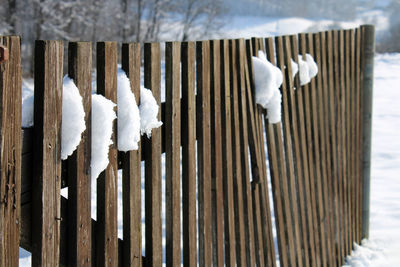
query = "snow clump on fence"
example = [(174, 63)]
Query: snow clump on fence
[(308, 69), (103, 116), (148, 112), (268, 78), (73, 118), (128, 115)]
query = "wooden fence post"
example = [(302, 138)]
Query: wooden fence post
[(46, 184), (367, 68), (131, 171), (10, 156), (107, 235), (79, 178)]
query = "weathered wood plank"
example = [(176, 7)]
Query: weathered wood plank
[(131, 170), (46, 183), (244, 151), (10, 157), (236, 159), (152, 79), (78, 164), (229, 219), (323, 100), (216, 156), (107, 224), (311, 161), (173, 146), (203, 153), (189, 155), (256, 165), (288, 145)]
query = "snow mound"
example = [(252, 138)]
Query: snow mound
[(103, 116), (312, 66), (148, 112), (268, 78), (295, 68), (308, 69), (128, 115), (368, 254), (73, 118)]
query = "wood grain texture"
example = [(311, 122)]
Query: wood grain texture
[(152, 79), (131, 170), (107, 238), (189, 155), (236, 158), (229, 217), (46, 182), (10, 157), (216, 155), (173, 145), (203, 153), (79, 178)]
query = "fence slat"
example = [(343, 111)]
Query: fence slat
[(216, 156), (203, 152), (324, 122), (79, 179), (172, 145), (46, 184), (11, 147), (304, 184), (229, 219), (255, 154), (189, 155), (131, 170), (237, 172), (152, 79), (244, 147), (107, 238), (288, 148)]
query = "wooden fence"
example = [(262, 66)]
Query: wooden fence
[(216, 132)]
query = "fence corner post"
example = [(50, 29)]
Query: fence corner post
[(367, 68)]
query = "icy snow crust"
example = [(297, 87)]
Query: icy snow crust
[(268, 79), (73, 118), (128, 115), (103, 116)]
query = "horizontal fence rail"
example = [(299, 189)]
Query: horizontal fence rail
[(223, 157)]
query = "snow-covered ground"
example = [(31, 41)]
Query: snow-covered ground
[(384, 243)]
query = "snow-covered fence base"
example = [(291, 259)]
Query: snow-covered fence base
[(224, 155)]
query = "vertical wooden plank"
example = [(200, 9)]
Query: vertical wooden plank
[(323, 97), (107, 223), (333, 80), (203, 152), (236, 159), (244, 147), (288, 148), (173, 147), (304, 179), (131, 170), (216, 156), (353, 139), (152, 79), (255, 153), (79, 179), (10, 157), (46, 184), (358, 132), (229, 220), (278, 171), (311, 162), (189, 155)]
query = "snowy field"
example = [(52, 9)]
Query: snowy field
[(384, 243)]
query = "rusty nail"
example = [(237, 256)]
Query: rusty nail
[(3, 53)]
